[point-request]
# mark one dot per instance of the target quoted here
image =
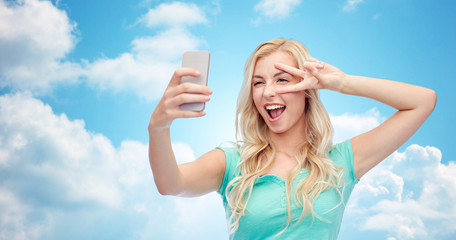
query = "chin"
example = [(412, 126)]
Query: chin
[(277, 129)]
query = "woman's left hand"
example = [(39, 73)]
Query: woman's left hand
[(318, 75)]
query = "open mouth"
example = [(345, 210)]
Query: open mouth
[(275, 111)]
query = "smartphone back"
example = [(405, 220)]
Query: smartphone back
[(198, 60)]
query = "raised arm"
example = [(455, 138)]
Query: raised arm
[(414, 105), (190, 179)]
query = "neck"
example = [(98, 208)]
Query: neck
[(287, 142)]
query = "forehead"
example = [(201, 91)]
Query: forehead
[(266, 64)]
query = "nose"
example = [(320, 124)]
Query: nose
[(269, 90)]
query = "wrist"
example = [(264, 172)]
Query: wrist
[(343, 84), (153, 129)]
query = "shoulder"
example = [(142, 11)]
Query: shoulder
[(232, 160), (216, 153), (231, 155), (342, 151), (229, 152)]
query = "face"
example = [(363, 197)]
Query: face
[(281, 112)]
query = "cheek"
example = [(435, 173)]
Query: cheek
[(256, 99), (297, 100), (294, 96)]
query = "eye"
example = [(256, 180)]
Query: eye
[(256, 83), (282, 80)]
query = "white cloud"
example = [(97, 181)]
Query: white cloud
[(14, 223), (49, 164), (146, 70), (59, 179), (351, 5), (34, 38), (41, 146), (349, 125), (194, 214), (276, 9), (176, 14), (410, 195)]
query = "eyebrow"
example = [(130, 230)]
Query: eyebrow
[(275, 75)]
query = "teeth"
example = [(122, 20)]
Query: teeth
[(272, 107)]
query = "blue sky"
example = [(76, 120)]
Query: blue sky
[(80, 79)]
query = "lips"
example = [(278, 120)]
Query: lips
[(274, 111)]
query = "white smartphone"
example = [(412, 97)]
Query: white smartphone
[(198, 60)]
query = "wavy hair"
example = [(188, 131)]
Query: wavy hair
[(253, 141)]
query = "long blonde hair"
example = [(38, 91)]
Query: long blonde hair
[(253, 142)]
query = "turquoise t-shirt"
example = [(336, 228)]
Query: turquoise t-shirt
[(266, 213)]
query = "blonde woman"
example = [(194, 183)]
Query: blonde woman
[(284, 179)]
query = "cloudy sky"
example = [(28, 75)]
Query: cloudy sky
[(79, 80)]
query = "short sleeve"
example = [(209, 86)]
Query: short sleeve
[(233, 158), (342, 155)]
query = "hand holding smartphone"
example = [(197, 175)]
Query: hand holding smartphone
[(198, 60)]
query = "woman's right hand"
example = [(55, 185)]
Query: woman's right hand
[(175, 95)]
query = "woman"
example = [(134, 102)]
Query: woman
[(284, 178)]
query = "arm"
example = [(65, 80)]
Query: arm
[(190, 179), (414, 105)]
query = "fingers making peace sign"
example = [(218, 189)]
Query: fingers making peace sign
[(317, 75)]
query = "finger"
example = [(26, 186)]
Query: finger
[(187, 98), (181, 72), (301, 86), (188, 87), (319, 64), (188, 114), (291, 70), (312, 59), (312, 69), (184, 114)]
